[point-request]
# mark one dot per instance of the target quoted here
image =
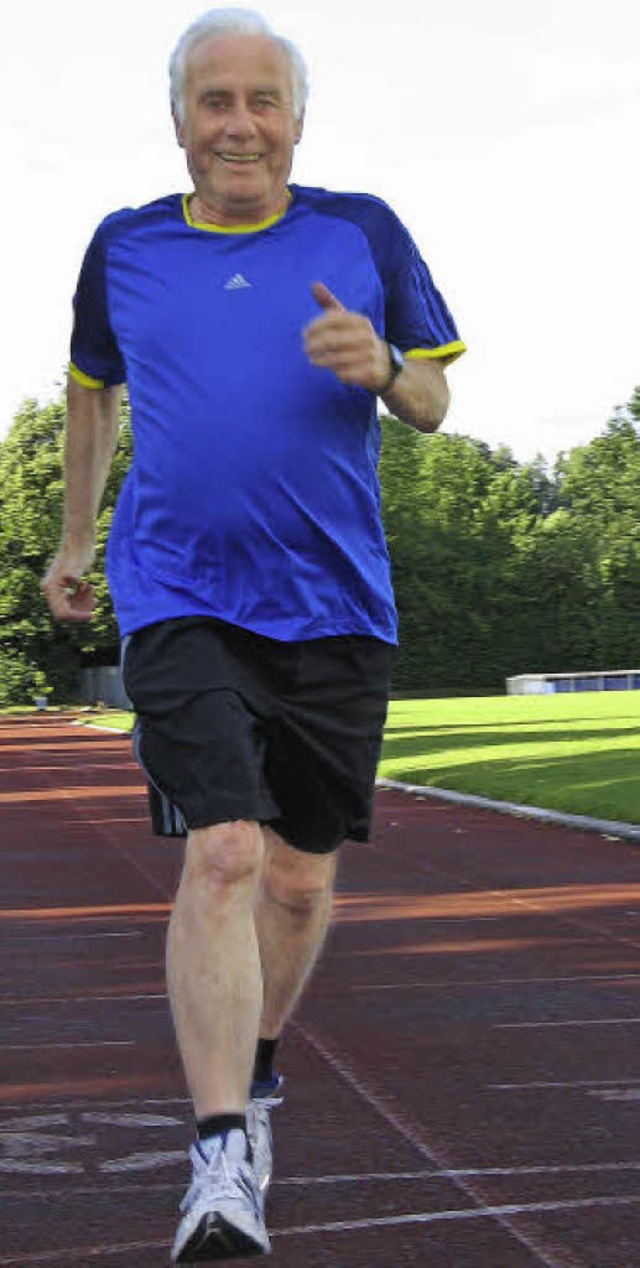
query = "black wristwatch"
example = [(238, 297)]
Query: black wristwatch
[(396, 364)]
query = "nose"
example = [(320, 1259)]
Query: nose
[(240, 120)]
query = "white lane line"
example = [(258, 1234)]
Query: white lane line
[(567, 1083), (501, 1213), (452, 1173), (498, 981), (36, 1047), (531, 1240), (616, 1094), (547, 1025), (18, 1142), (144, 1161), (74, 937), (15, 1166), (85, 1104), (310, 1182), (80, 1254), (28, 1001), (90, 1191), (31, 1122), (131, 1120)]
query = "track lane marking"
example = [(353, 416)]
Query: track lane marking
[(71, 936), (37, 1047), (555, 1025), (495, 982), (474, 1213), (542, 1085), (80, 1253), (89, 1105), (310, 1182), (27, 1001), (500, 1213), (531, 1240)]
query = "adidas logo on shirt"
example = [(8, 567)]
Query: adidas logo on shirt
[(236, 283)]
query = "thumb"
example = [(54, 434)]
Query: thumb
[(324, 297)]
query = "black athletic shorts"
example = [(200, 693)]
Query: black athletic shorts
[(232, 725)]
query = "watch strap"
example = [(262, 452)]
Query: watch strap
[(396, 364)]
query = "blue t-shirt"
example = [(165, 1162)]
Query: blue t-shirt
[(253, 493)]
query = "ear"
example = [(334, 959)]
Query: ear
[(299, 125)]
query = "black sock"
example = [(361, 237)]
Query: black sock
[(263, 1068), (220, 1124)]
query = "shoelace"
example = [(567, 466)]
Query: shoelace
[(216, 1170)]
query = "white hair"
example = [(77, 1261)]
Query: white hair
[(234, 22)]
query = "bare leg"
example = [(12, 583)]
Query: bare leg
[(213, 965), (293, 911)]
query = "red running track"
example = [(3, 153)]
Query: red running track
[(463, 1083)]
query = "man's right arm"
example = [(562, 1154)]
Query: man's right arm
[(90, 443)]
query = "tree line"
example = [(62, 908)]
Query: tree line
[(499, 567)]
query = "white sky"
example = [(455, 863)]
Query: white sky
[(505, 133)]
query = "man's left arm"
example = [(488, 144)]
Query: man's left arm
[(419, 395), (347, 343)]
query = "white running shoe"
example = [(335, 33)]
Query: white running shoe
[(265, 1097), (222, 1209)]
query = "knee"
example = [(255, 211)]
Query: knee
[(225, 856), (300, 889)]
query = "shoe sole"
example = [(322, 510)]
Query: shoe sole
[(214, 1238)]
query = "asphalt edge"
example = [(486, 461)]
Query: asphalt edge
[(604, 827)]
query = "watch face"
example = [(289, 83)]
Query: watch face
[(396, 364)]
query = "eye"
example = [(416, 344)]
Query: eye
[(264, 100), (214, 102)]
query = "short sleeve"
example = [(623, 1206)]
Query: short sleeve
[(417, 319), (96, 360)]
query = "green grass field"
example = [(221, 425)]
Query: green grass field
[(577, 753), (113, 720)]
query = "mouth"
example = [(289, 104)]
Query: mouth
[(244, 159)]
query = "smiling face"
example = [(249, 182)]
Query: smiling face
[(237, 128)]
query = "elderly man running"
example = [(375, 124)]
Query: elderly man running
[(255, 323)]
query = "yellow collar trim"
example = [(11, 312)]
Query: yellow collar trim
[(211, 228)]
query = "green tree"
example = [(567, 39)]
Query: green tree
[(36, 655), (600, 489), (455, 516), (501, 568)]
